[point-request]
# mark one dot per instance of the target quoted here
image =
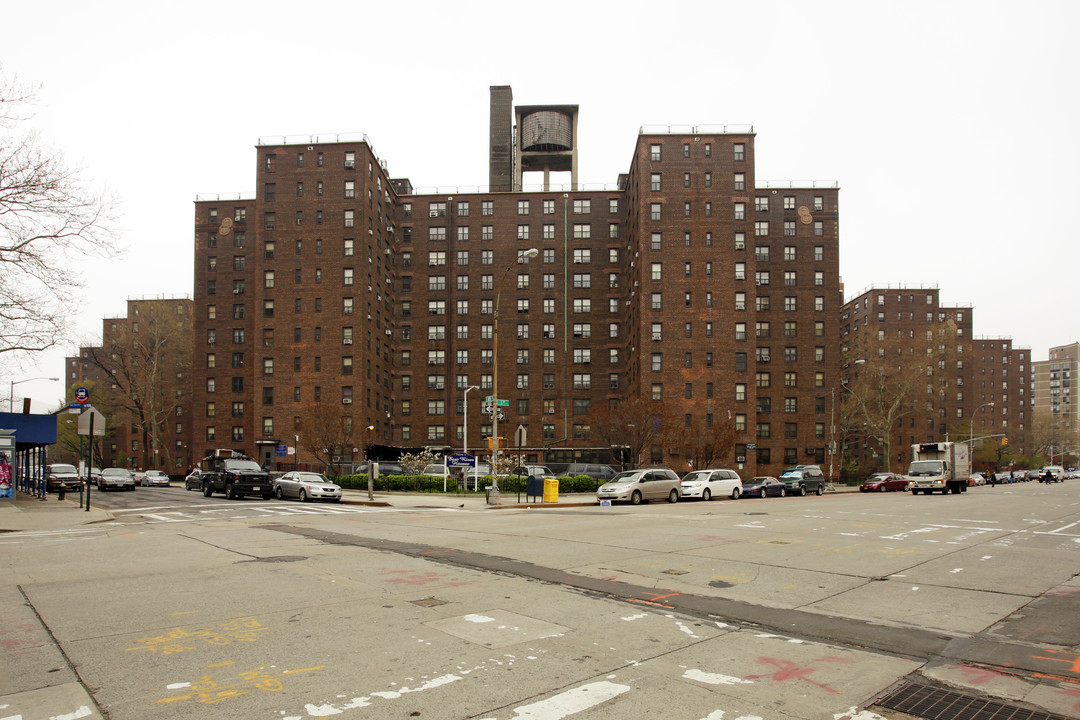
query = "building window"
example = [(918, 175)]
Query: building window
[(739, 151), (655, 153)]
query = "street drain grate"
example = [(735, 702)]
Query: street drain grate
[(429, 602), (675, 572), (934, 703)]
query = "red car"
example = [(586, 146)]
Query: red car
[(884, 482)]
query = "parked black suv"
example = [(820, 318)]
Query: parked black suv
[(801, 479), (234, 474)]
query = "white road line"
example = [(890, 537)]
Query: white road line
[(570, 702), (1059, 530)]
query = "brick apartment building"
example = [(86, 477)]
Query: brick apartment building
[(140, 379), (1054, 399), (979, 385), (339, 294)]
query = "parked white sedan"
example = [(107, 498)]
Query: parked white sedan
[(306, 486), (707, 484)]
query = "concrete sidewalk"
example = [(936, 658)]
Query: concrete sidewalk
[(470, 501), (27, 512)]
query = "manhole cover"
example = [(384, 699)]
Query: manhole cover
[(675, 572), (429, 602), (721, 584)]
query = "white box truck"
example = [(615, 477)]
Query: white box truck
[(939, 467)]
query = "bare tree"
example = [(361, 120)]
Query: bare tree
[(326, 432), (49, 219), (892, 379), (146, 359), (633, 426), (1051, 433), (701, 444)]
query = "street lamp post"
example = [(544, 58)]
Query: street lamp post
[(465, 428), (971, 434), (11, 397), (522, 255), (370, 479)]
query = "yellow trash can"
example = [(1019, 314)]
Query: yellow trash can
[(551, 490)]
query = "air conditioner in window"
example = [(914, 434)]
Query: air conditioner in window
[(809, 451), (347, 341), (349, 164), (346, 401), (387, 251), (740, 458)]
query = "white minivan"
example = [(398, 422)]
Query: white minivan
[(707, 484)]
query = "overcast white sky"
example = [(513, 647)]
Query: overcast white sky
[(933, 116)]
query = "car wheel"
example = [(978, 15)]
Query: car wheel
[(783, 492), (706, 496), (303, 495), (735, 494), (673, 496), (802, 491), (881, 489), (635, 499), (821, 489), (207, 491), (229, 491), (280, 494)]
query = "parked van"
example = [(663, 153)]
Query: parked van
[(602, 473)]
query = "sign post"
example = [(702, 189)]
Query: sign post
[(87, 427)]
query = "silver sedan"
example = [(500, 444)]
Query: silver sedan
[(306, 486)]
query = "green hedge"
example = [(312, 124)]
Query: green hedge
[(429, 484)]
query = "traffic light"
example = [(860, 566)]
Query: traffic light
[(1004, 441), (491, 445)]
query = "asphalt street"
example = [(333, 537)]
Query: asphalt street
[(175, 605)]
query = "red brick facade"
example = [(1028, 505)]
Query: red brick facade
[(686, 283)]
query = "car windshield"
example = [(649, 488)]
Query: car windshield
[(925, 467), (311, 478), (696, 476), (796, 474), (760, 480), (625, 477), (243, 465), (113, 472), (63, 469)]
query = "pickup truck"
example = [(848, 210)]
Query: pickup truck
[(235, 476)]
